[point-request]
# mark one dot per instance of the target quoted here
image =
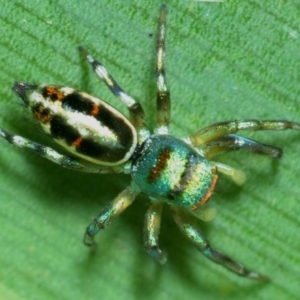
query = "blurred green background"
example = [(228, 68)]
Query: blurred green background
[(230, 60)]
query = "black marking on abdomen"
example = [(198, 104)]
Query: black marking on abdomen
[(107, 117), (75, 102), (41, 113), (104, 153), (117, 125), (61, 130), (86, 146), (52, 93)]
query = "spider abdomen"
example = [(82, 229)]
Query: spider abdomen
[(168, 169), (84, 125)]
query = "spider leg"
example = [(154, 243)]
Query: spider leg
[(54, 156), (137, 116), (237, 176), (190, 230), (109, 213), (151, 232), (234, 142), (218, 130), (162, 93)]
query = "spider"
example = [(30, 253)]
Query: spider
[(171, 170)]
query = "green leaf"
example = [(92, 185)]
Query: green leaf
[(230, 60)]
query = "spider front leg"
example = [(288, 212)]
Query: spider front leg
[(151, 232), (190, 230), (234, 142), (54, 156), (137, 116), (109, 213), (163, 104), (218, 130)]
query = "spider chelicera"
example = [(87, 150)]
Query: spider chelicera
[(175, 171)]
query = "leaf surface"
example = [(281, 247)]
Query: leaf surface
[(230, 60)]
